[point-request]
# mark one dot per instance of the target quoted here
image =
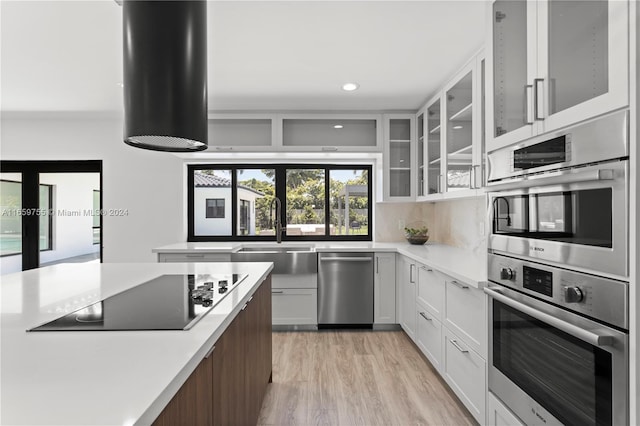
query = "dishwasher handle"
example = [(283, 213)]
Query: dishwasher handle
[(346, 259)]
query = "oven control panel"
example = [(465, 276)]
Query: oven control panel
[(595, 296)]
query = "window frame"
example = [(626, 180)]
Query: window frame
[(280, 192), (215, 208)]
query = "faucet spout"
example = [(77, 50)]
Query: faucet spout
[(277, 223)]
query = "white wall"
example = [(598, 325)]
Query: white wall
[(211, 226), (221, 226), (148, 184)]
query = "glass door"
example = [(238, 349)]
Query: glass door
[(433, 147), (583, 59), (400, 135), (459, 133), (51, 213), (420, 184), (10, 222), (513, 70)]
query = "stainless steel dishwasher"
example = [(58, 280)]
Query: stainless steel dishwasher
[(345, 289)]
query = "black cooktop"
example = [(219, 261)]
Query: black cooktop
[(168, 302)]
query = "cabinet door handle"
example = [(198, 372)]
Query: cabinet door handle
[(538, 93), (411, 273), (458, 347), (329, 148), (528, 99), (423, 315), (459, 284), (277, 291), (475, 177), (210, 352), (438, 184), (377, 265)]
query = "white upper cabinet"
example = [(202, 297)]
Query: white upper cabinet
[(554, 63), (399, 164), (453, 129), (245, 132)]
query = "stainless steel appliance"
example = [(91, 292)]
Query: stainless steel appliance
[(562, 198), (558, 343), (168, 302), (345, 289)]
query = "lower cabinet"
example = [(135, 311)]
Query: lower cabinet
[(408, 279), (499, 415), (228, 386), (464, 370), (384, 283), (429, 337), (295, 306)]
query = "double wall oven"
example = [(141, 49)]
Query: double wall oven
[(558, 272)]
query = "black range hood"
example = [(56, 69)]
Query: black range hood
[(165, 74)]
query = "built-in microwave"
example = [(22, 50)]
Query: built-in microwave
[(563, 199)]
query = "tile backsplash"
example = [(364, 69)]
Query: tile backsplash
[(459, 223)]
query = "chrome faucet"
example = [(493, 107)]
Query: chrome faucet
[(277, 225)]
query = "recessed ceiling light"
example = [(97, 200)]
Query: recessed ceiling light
[(338, 126), (457, 127), (350, 87)]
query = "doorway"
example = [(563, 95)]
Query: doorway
[(50, 212)]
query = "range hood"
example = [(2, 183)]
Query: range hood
[(165, 74)]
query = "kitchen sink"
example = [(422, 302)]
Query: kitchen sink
[(286, 260)]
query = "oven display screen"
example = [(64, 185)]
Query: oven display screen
[(538, 280), (553, 151)]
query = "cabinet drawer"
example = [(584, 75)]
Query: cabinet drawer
[(464, 371), (429, 337), (466, 314), (430, 291), (294, 306), (499, 415), (292, 281), (194, 257)]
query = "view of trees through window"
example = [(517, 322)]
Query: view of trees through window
[(306, 196)]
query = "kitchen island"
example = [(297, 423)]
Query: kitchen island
[(126, 377)]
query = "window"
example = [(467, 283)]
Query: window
[(318, 202), (215, 208), (244, 218)]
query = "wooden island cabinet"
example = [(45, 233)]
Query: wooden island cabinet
[(229, 384)]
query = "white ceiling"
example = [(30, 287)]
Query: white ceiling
[(263, 55)]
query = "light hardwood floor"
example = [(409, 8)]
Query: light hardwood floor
[(355, 378)]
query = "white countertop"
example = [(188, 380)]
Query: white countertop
[(100, 377), (464, 265)]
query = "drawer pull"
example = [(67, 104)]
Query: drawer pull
[(244, 307), (277, 291), (250, 299), (423, 315), (458, 347), (424, 268), (210, 352), (462, 286), (195, 256)]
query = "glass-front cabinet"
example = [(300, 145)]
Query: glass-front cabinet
[(554, 63), (434, 115), (453, 130), (399, 162), (420, 155)]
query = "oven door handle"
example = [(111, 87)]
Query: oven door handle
[(582, 334), (556, 179)]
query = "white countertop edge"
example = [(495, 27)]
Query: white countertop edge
[(154, 410), (473, 272)]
